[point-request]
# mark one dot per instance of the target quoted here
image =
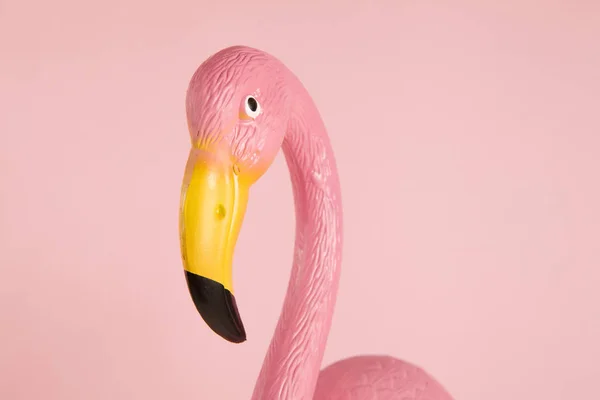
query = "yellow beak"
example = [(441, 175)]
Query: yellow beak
[(213, 203)]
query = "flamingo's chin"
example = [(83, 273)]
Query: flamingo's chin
[(213, 203)]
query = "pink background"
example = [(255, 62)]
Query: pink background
[(468, 140)]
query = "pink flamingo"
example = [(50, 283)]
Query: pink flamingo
[(243, 105)]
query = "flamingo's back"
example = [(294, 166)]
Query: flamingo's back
[(377, 378)]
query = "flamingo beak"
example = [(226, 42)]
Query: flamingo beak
[(213, 203)]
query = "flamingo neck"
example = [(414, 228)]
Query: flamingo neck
[(292, 363)]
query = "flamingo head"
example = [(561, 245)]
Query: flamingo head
[(237, 111)]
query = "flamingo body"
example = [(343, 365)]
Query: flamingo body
[(373, 377), (243, 106)]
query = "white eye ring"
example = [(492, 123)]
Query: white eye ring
[(251, 107)]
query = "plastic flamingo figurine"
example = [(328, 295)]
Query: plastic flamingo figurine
[(243, 105)]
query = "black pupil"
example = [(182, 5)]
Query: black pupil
[(252, 104)]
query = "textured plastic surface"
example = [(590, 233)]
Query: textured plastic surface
[(231, 133)]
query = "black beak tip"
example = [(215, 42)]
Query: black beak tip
[(217, 307)]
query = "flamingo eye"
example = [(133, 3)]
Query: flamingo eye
[(251, 108)]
